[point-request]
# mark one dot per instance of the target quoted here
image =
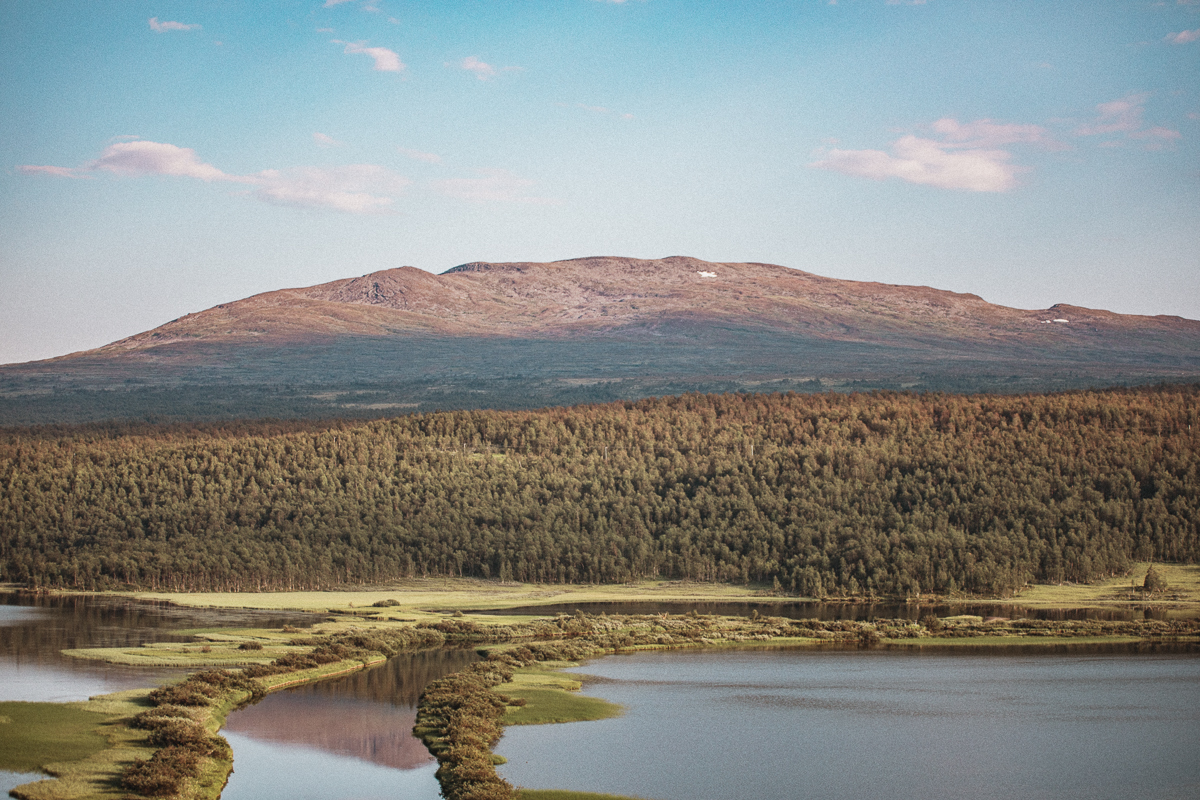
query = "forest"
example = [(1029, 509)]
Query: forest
[(818, 495)]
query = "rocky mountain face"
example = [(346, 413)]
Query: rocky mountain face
[(529, 334)]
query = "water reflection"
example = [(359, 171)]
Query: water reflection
[(35, 629), (351, 736), (366, 715)]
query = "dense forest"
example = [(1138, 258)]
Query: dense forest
[(815, 495)]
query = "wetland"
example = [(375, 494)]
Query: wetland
[(351, 735)]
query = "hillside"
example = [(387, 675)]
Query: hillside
[(886, 493), (591, 329)]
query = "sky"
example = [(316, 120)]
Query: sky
[(159, 158)]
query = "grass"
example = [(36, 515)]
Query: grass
[(1181, 599), (429, 598), (552, 697), (94, 776), (424, 598), (35, 734)]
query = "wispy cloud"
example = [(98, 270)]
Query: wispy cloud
[(492, 185), (481, 69), (332, 3), (1183, 37), (968, 156), (1124, 117), (165, 26), (927, 162), (385, 60), (989, 133), (417, 155), (57, 172), (355, 189), (324, 140), (157, 158)]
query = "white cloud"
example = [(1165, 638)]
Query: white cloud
[(1117, 116), (417, 155), (332, 3), (356, 189), (156, 158), (325, 140), (968, 156), (57, 172), (163, 27), (1184, 37), (385, 60), (1124, 117), (493, 185), (482, 70), (927, 162), (989, 133)]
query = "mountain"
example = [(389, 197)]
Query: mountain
[(529, 334)]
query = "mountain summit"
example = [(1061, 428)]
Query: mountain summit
[(604, 295), (526, 334)]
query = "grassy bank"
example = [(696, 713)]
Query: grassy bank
[(165, 742), (548, 696), (81, 747), (430, 598)]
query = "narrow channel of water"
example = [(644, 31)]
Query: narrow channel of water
[(349, 737), (747, 725)]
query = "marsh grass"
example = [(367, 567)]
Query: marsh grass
[(95, 775), (555, 705), (35, 734), (1181, 598), (429, 598)]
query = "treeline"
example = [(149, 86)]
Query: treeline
[(816, 495)]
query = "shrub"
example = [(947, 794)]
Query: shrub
[(1154, 582), (250, 646), (163, 774)]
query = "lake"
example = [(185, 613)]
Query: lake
[(759, 725), (349, 737), (766, 725)]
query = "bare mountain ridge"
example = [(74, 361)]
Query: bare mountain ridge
[(590, 295), (518, 335)]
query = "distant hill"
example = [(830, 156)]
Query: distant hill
[(592, 329)]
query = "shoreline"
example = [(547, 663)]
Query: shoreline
[(349, 614)]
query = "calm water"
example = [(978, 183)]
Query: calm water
[(34, 630), (745, 725), (726, 724), (349, 737)]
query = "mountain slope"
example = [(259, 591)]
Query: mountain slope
[(521, 334)]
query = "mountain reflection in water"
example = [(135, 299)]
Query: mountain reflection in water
[(381, 734), (366, 715)]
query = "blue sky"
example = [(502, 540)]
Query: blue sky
[(159, 158)]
